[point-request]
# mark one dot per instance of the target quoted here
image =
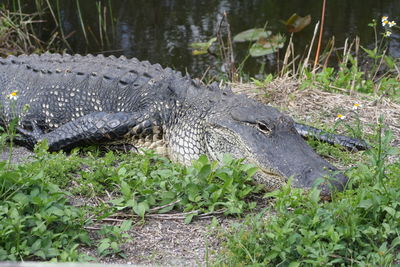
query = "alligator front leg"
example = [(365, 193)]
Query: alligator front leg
[(94, 128)]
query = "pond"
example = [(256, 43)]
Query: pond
[(161, 31)]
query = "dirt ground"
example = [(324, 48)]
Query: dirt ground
[(170, 242)]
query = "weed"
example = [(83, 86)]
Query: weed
[(36, 221), (142, 183), (113, 237)]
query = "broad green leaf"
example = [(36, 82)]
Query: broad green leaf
[(40, 254), (315, 195), (55, 211), (126, 225), (395, 242), (204, 172), (21, 198), (251, 35), (267, 46), (188, 218), (122, 171), (366, 203), (294, 264), (125, 190), (296, 23), (197, 52), (103, 246), (114, 246), (141, 209), (216, 195), (202, 47)]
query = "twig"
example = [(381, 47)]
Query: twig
[(287, 56), (226, 51), (353, 82), (309, 50), (205, 73), (164, 206), (165, 216), (91, 228), (330, 52)]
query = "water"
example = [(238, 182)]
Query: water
[(161, 30)]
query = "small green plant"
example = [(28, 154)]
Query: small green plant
[(113, 237), (10, 129), (351, 122)]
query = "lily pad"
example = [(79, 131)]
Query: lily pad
[(201, 48), (267, 46), (251, 35), (297, 23)]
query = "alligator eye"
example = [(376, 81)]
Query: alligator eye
[(263, 128)]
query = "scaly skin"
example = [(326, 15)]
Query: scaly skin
[(80, 100)]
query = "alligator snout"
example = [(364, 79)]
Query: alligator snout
[(290, 156), (326, 178)]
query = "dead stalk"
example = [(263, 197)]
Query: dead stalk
[(305, 64), (226, 51), (320, 34), (330, 52)]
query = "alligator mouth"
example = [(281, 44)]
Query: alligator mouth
[(269, 177), (329, 178)]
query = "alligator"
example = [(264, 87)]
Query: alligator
[(74, 100)]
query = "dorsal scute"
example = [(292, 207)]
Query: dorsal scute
[(120, 70)]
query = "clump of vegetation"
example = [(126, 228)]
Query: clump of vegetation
[(360, 226), (138, 184), (37, 220)]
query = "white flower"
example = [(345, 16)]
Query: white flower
[(13, 95), (384, 21), (387, 33), (391, 23), (340, 117), (384, 18), (356, 106)]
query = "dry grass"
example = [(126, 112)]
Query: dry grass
[(315, 106)]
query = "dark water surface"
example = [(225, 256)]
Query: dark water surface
[(161, 30)]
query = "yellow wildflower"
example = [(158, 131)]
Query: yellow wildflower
[(13, 95), (340, 117), (357, 106)]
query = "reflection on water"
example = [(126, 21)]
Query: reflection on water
[(161, 30)]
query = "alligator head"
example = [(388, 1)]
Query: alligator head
[(267, 138)]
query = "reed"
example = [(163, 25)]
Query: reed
[(81, 21)]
